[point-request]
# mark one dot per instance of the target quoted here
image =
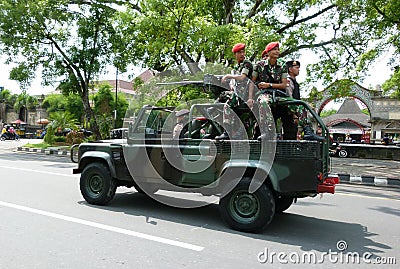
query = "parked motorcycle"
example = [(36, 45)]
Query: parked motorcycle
[(336, 150), (7, 136)]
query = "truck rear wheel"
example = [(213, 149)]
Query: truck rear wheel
[(248, 212), (97, 185)]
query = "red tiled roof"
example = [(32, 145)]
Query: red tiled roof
[(146, 75)]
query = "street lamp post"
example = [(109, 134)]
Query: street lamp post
[(116, 96), (41, 98)]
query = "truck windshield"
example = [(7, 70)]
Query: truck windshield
[(153, 121)]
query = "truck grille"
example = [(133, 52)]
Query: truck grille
[(284, 149)]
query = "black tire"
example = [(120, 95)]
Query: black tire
[(342, 153), (282, 203), (96, 184), (248, 212), (3, 138)]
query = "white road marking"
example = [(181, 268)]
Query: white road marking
[(105, 227), (38, 171)]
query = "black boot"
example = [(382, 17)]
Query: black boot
[(223, 136), (309, 134)]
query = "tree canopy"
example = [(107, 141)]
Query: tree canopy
[(345, 35), (73, 42)]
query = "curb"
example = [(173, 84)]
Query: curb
[(45, 151), (369, 180)]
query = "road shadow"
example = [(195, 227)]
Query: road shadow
[(374, 191), (307, 233), (387, 210)]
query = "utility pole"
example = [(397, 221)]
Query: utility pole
[(116, 100)]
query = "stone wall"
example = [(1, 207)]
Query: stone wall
[(33, 116)]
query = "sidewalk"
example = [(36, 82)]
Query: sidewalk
[(367, 171), (12, 145), (48, 151)]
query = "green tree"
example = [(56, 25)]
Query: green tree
[(60, 120), (326, 113), (104, 106), (122, 106), (54, 102), (75, 106), (104, 100), (7, 97), (391, 87), (24, 103), (59, 102), (73, 41), (345, 35)]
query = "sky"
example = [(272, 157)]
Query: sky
[(37, 89)]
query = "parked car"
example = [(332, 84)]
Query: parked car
[(120, 133)]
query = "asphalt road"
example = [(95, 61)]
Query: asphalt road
[(45, 223)]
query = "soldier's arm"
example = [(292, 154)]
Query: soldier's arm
[(280, 86), (250, 101), (237, 77)]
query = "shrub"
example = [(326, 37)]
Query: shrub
[(49, 137), (59, 139), (75, 137)]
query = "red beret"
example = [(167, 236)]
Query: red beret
[(238, 47), (271, 46), (264, 53)]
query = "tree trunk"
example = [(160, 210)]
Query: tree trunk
[(192, 65), (229, 6), (90, 114)]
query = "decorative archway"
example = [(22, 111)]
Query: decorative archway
[(352, 90)]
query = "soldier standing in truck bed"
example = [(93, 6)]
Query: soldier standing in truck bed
[(270, 78), (242, 91)]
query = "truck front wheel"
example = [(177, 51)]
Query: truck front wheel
[(97, 185), (247, 212)]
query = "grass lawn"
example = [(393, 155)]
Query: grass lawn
[(42, 145)]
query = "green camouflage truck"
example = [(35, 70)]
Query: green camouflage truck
[(251, 180)]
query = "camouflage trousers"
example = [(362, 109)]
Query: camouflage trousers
[(265, 117), (270, 112), (231, 102), (233, 119)]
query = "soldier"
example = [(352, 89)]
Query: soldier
[(242, 90), (270, 78), (293, 88), (299, 114), (180, 121)]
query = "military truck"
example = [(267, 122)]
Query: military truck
[(252, 180)]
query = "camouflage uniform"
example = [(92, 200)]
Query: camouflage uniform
[(237, 97), (264, 72)]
